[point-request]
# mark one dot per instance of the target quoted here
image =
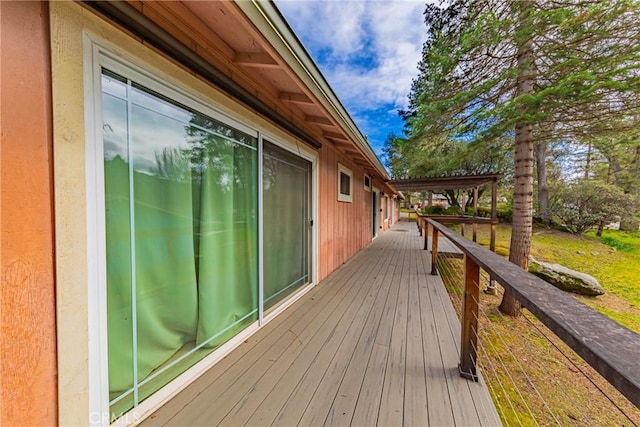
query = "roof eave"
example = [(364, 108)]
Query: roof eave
[(270, 22)]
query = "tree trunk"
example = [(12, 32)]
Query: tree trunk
[(452, 198), (608, 181), (587, 165), (543, 187), (523, 178)]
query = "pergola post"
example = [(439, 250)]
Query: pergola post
[(491, 289), (464, 210), (494, 213), (475, 213)]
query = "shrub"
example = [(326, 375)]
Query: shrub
[(484, 212), (434, 210), (615, 243), (505, 214), (453, 210), (583, 205)]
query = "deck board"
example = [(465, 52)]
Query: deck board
[(391, 405), (365, 361), (376, 343), (415, 405)]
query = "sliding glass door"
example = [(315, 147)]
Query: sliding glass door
[(181, 216), (287, 223), (181, 236)]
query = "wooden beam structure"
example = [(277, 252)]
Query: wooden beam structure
[(319, 120), (461, 182), (255, 59), (297, 98)]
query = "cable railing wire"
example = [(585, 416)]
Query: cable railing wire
[(579, 369), (450, 273), (448, 269), (521, 368)]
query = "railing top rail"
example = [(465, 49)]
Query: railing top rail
[(458, 219), (610, 348)]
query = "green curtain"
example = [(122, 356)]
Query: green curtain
[(194, 219), (286, 215), (227, 241), (166, 295)]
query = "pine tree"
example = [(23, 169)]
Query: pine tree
[(538, 71)]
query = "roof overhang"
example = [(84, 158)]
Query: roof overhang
[(274, 27), (461, 182), (247, 49)]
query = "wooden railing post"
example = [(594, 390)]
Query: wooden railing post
[(434, 251), (418, 222), (426, 234), (475, 214), (464, 210), (468, 354), (494, 214), (614, 354)]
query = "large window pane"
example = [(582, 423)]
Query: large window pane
[(286, 203), (181, 226)]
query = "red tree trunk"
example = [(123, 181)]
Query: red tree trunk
[(523, 179)]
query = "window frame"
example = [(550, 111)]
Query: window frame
[(343, 197), (364, 181), (386, 207)]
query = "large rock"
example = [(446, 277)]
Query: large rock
[(566, 279)]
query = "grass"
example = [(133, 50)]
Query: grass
[(530, 379), (617, 270), (411, 212)]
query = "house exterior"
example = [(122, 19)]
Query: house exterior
[(173, 174)]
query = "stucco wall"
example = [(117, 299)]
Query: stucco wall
[(27, 301)]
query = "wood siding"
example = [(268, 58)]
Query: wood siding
[(27, 302), (343, 227)]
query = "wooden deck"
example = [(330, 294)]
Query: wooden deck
[(376, 343)]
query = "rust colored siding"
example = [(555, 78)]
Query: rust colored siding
[(343, 228), (27, 295)]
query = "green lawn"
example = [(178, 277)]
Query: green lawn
[(613, 259)]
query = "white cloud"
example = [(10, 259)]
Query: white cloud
[(367, 50)]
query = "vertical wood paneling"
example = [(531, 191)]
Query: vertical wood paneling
[(344, 228), (28, 379)]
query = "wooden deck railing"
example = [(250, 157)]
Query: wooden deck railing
[(462, 219), (611, 349)]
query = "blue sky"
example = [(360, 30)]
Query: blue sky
[(368, 50)]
